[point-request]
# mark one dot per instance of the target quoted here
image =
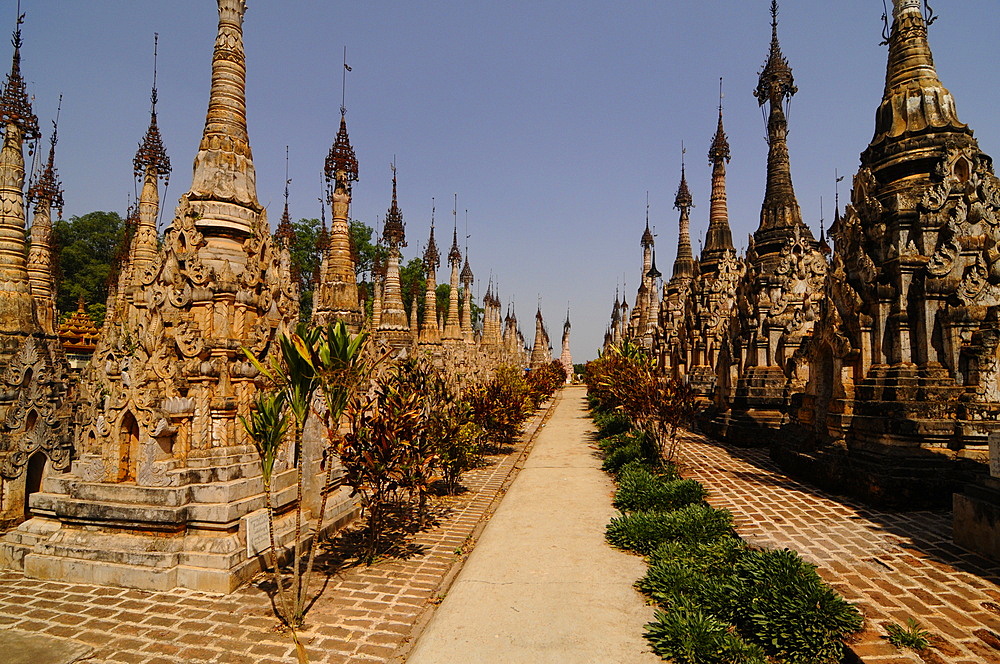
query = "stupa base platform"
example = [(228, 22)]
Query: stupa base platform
[(206, 537), (976, 518)]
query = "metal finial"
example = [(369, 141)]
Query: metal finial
[(886, 32), (287, 179), (343, 85), (929, 16), (721, 95), (774, 16), (322, 199), (156, 48), (836, 186), (17, 29), (433, 210)]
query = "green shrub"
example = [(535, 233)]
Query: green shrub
[(686, 635), (639, 490), (700, 572), (641, 532), (718, 556), (611, 424), (788, 609), (625, 448)]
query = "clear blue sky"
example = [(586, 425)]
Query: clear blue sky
[(550, 119)]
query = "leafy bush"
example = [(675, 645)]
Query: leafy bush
[(701, 571), (786, 607), (500, 405), (686, 635), (611, 424), (543, 381), (628, 447), (642, 532), (639, 490), (719, 555)]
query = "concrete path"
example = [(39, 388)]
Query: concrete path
[(542, 585), (17, 647)]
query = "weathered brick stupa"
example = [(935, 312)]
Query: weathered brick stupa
[(165, 477), (780, 291), (673, 355), (34, 374), (541, 349), (337, 287), (566, 356), (712, 296), (393, 326), (904, 381)]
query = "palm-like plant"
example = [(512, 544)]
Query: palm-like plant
[(267, 426), (305, 361)]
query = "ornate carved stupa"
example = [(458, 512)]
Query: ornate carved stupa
[(713, 292), (164, 474), (430, 334), (453, 326), (336, 296), (781, 289), (566, 357), (675, 359), (34, 375), (903, 387), (467, 278), (541, 353), (393, 323)]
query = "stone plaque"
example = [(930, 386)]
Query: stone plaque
[(258, 528), (994, 443)]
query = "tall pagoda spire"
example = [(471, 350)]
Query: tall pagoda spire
[(467, 278), (393, 322), (684, 266), (46, 194), (19, 124), (453, 327), (780, 213), (540, 353), (429, 332), (151, 164), (223, 191), (647, 241), (338, 288), (719, 239), (915, 103)]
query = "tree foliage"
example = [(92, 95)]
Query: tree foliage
[(85, 247)]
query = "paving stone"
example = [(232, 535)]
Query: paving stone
[(893, 566), (363, 613)]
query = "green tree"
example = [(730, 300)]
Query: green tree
[(86, 247), (306, 259), (413, 285)]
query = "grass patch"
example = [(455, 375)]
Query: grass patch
[(911, 636)]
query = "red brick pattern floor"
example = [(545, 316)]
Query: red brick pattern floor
[(363, 614), (892, 565)]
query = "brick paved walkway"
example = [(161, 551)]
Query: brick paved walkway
[(892, 565), (364, 614)]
